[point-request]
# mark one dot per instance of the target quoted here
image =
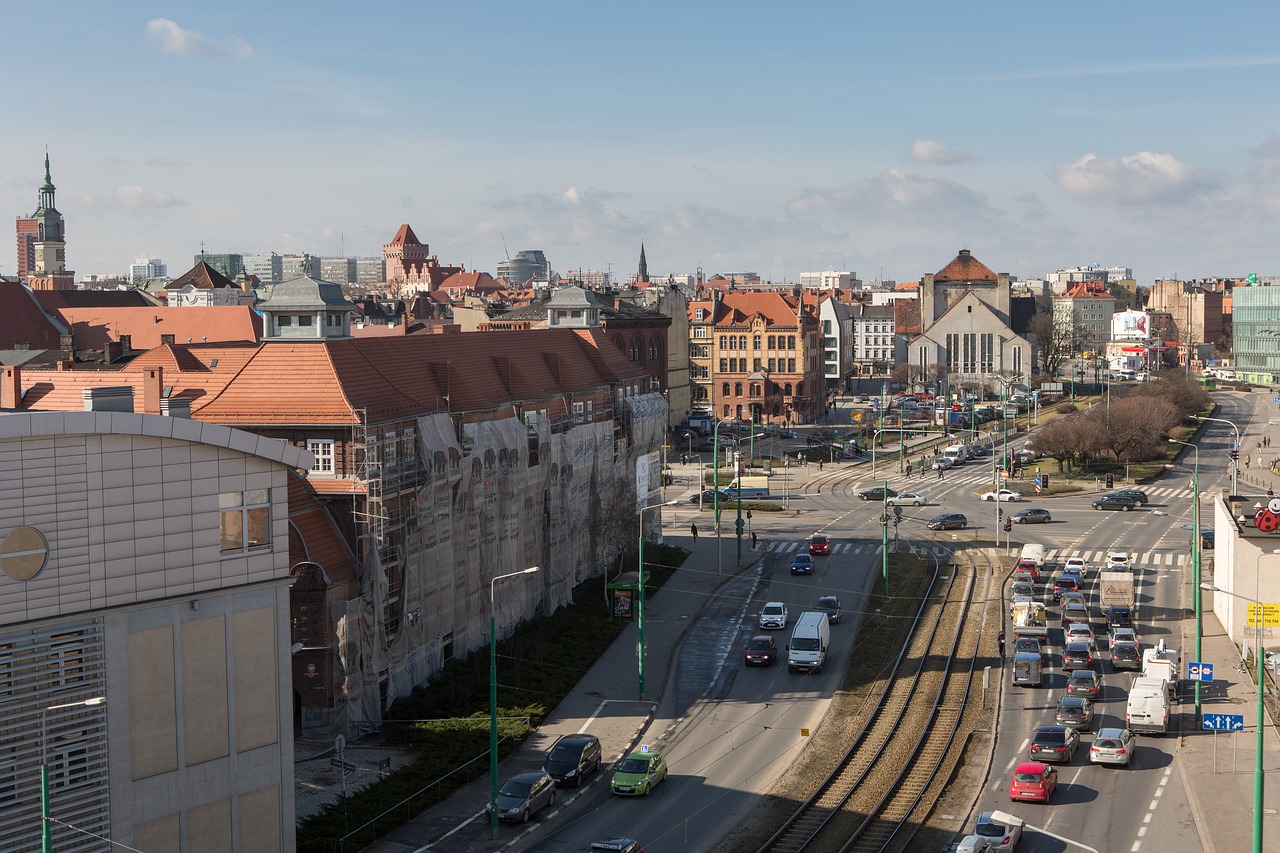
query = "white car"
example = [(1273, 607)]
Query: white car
[(1076, 563), (910, 498), (1079, 632), (1118, 562), (942, 463), (773, 615), (1002, 495)]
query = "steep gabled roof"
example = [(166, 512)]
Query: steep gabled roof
[(23, 321), (201, 276), (906, 317), (965, 267), (778, 309), (172, 357), (405, 236)]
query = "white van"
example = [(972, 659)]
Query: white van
[(1147, 710), (957, 453), (810, 639)]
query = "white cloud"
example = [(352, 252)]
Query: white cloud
[(171, 38), (163, 161), (932, 151), (130, 197), (1268, 156), (898, 195), (1142, 178)]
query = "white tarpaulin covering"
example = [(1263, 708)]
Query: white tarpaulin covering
[(497, 503)]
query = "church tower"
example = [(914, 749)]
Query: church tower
[(642, 274), (49, 246)]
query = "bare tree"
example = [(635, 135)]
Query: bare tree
[(1174, 387), (1055, 343), (1136, 425)]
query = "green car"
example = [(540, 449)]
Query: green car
[(637, 773)]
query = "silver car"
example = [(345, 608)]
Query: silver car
[(1113, 746), (524, 795), (1003, 837)]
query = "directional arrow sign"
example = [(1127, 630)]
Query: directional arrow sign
[(1224, 722)]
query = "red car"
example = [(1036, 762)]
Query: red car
[(819, 544), (1032, 781)]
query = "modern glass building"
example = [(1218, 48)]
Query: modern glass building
[(1255, 316)]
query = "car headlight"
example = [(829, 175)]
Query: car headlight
[(514, 811), (571, 773)]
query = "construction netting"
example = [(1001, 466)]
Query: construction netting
[(508, 496)]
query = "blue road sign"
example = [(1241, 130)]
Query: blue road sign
[(1224, 722), (1197, 671)]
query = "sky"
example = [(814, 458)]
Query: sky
[(879, 138)]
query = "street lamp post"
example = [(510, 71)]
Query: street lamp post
[(742, 467), (493, 700), (1195, 558), (640, 597), (1259, 782), (46, 818), (1235, 463)]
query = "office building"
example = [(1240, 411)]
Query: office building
[(230, 265), (268, 268), (527, 265), (145, 269), (340, 270)]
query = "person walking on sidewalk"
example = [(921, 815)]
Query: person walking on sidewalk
[(693, 528), (1000, 642), (753, 540)]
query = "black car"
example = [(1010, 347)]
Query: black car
[(1114, 502), (1033, 515), (1137, 495), (1125, 656), (879, 493), (830, 605), (1054, 743), (947, 521), (1119, 617), (1206, 539), (572, 758), (1077, 655), (1064, 583)]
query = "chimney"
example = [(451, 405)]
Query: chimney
[(167, 339), (126, 343), (66, 364), (176, 407), (11, 388), (68, 346), (112, 352), (152, 383), (108, 398)]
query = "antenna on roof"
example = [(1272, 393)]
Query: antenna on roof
[(504, 245)]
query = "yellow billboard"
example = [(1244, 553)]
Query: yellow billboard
[(1270, 615)]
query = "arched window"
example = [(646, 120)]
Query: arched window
[(786, 389), (655, 350), (726, 410), (755, 389), (618, 342), (737, 389), (724, 390), (635, 349)]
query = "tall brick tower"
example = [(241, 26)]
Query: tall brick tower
[(49, 247)]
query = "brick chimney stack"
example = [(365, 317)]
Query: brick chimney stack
[(11, 388), (152, 383)]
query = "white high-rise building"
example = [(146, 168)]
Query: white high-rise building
[(145, 269), (267, 268), (829, 280)]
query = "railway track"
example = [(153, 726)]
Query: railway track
[(888, 773)]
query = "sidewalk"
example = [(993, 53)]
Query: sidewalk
[(606, 700), (1218, 767)]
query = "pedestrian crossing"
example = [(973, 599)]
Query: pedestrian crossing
[(975, 477), (850, 548), (1096, 560)]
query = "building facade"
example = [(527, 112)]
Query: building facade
[(1255, 316), (837, 342), (873, 340), (144, 630), (1085, 314), (145, 269), (371, 271), (268, 268), (228, 264), (527, 265), (341, 270)]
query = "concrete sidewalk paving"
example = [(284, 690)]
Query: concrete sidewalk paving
[(606, 701)]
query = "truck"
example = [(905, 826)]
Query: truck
[(1115, 589), (1030, 620), (1162, 662), (807, 651), (1148, 707), (752, 487)]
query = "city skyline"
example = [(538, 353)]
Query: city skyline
[(878, 140)]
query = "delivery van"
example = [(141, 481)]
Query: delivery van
[(810, 639), (957, 453)]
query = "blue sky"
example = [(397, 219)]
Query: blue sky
[(778, 138)]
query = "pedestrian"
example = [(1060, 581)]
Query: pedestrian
[(1247, 460), (1000, 641), (753, 540), (693, 528), (908, 470), (940, 473)]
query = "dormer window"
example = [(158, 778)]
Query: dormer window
[(304, 320), (284, 320)]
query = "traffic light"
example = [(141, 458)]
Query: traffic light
[(1044, 480), (1235, 455), (1110, 481), (999, 512)]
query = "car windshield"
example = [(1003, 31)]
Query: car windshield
[(565, 751), (634, 765), (805, 644), (773, 609), (827, 601), (759, 644), (513, 788)]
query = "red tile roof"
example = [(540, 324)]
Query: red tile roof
[(405, 236), (906, 317), (739, 306), (201, 276), (965, 267), (22, 321), (320, 539), (91, 328), (907, 285)]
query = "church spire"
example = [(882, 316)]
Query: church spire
[(47, 188), (642, 275)]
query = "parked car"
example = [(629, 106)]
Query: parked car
[(1114, 502), (1002, 495), (523, 796), (1084, 682), (638, 773), (773, 615), (1137, 495), (1033, 781), (908, 498), (1078, 655), (1074, 712), (802, 564), (572, 758), (1113, 746), (762, 650), (1004, 836), (1033, 515), (947, 521), (1207, 539), (1054, 743), (878, 493), (819, 543), (830, 605)]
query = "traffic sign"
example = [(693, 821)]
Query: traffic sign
[(1224, 722), (1197, 671), (1252, 278)]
